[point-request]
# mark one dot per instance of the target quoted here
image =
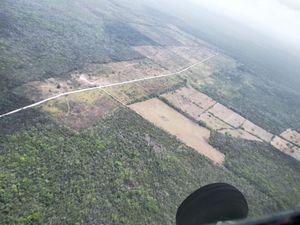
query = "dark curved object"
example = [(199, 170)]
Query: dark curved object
[(212, 203)]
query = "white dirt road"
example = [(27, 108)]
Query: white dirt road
[(105, 86)]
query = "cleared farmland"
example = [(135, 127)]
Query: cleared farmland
[(257, 131), (195, 103), (190, 101), (174, 57), (292, 136), (202, 108), (227, 115), (213, 122), (216, 116), (184, 129), (286, 147)]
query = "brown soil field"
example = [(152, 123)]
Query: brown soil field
[(195, 104), (213, 122), (286, 147), (239, 133), (190, 101), (197, 98), (292, 136), (257, 131), (190, 96), (227, 115), (184, 129), (184, 105)]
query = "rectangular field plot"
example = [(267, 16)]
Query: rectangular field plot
[(257, 131), (212, 122), (292, 136), (190, 101), (227, 115), (176, 124)]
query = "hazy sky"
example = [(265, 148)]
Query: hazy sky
[(277, 18)]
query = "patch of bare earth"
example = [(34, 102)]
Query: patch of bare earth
[(292, 136), (184, 129), (286, 147), (213, 122), (215, 116), (190, 101)]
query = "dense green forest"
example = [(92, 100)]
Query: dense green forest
[(46, 39), (124, 170)]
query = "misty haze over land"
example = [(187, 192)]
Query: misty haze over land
[(277, 19), (263, 34)]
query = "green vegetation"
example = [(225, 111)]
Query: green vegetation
[(178, 83), (264, 166), (124, 170), (42, 39), (263, 102)]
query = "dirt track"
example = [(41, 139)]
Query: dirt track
[(104, 86)]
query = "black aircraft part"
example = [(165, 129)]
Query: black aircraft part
[(212, 203)]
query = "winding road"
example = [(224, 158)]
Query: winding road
[(105, 86)]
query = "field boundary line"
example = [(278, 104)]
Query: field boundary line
[(113, 97)]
